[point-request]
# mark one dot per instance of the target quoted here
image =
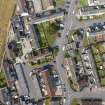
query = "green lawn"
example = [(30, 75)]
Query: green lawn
[(66, 54), (47, 102), (83, 2), (95, 50), (48, 31), (75, 102), (2, 80), (59, 3), (85, 40), (44, 61), (103, 82), (97, 58)]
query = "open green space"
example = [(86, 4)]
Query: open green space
[(41, 62), (77, 56), (72, 36), (85, 40), (66, 54), (83, 2), (48, 31), (98, 50), (2, 80), (59, 3), (75, 102), (103, 82), (6, 10), (47, 101)]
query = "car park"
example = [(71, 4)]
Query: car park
[(67, 6), (96, 27), (96, 7), (103, 6), (65, 13)]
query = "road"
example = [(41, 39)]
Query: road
[(70, 23), (61, 42), (47, 16)]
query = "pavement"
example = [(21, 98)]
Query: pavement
[(70, 22), (47, 16), (60, 58)]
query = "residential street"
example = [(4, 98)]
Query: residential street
[(69, 24), (35, 69)]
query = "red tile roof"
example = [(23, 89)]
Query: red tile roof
[(50, 89)]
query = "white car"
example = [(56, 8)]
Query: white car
[(73, 12), (63, 48), (64, 100)]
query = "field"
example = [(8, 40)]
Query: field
[(59, 3), (75, 102), (83, 2), (6, 10), (2, 80)]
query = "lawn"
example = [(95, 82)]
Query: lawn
[(72, 36), (85, 40), (59, 3), (103, 82), (66, 54), (95, 50), (2, 80), (47, 102), (75, 102), (6, 10), (44, 61), (83, 2), (48, 31)]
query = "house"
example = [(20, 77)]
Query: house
[(91, 12), (50, 87), (27, 83), (18, 27), (40, 5), (91, 101), (37, 6), (47, 4), (34, 37), (24, 7), (21, 7), (96, 2), (50, 81), (97, 36)]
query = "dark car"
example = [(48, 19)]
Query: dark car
[(65, 13), (59, 34), (12, 72), (68, 2), (26, 99), (100, 26)]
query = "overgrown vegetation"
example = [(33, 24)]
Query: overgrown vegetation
[(2, 80), (48, 31)]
